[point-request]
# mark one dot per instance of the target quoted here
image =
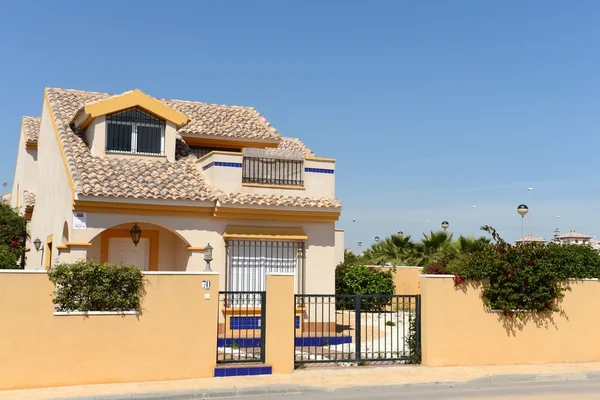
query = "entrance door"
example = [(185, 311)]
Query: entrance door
[(122, 251)]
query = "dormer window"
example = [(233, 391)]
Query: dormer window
[(135, 131)]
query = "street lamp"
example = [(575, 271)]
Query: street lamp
[(136, 234), (445, 225), (359, 244), (376, 239), (522, 210), (37, 243), (208, 257)]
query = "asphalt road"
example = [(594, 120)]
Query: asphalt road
[(580, 390)]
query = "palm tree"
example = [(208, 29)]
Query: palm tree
[(394, 249), (435, 247), (471, 244)]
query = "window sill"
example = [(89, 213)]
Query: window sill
[(125, 153), (267, 186)]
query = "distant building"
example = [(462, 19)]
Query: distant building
[(530, 239), (575, 238), (6, 198)]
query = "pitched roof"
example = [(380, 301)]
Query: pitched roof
[(293, 144), (179, 180), (31, 127), (574, 235), (6, 197), (531, 239)]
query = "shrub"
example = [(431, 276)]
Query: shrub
[(8, 258), (90, 285), (13, 236), (362, 280), (530, 277), (413, 342)]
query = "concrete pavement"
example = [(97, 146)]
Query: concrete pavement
[(315, 379), (581, 390)]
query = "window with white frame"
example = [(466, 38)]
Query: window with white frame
[(135, 131), (249, 261)]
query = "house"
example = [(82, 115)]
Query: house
[(132, 179), (5, 198), (573, 237), (530, 239)]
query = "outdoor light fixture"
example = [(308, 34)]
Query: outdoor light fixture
[(136, 234), (400, 233), (445, 225), (37, 243), (522, 210), (376, 239), (359, 244), (208, 257)]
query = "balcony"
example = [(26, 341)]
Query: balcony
[(269, 173)]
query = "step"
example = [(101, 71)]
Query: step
[(242, 370)]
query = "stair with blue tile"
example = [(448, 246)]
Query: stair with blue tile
[(242, 370)]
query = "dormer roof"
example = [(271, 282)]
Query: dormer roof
[(133, 98)]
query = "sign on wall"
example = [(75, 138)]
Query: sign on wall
[(79, 220)]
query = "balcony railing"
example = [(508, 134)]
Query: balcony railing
[(272, 171)]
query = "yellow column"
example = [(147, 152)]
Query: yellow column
[(280, 331)]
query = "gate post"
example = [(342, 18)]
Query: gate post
[(357, 326), (280, 331)]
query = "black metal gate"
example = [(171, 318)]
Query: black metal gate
[(357, 328), (241, 328)]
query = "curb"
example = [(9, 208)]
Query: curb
[(265, 390)]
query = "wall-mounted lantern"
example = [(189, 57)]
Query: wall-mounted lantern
[(208, 257), (37, 243), (136, 234)]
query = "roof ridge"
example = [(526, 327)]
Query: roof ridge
[(208, 104), (66, 146)]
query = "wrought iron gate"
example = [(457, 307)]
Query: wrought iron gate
[(357, 328), (241, 328)]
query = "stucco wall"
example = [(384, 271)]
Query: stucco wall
[(406, 279), (321, 257), (53, 197), (25, 176), (457, 330), (174, 337)]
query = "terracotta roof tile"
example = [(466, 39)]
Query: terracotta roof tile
[(273, 200), (179, 180), (31, 126), (531, 239), (293, 144), (28, 199), (574, 235)]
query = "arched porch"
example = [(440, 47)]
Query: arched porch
[(159, 248)]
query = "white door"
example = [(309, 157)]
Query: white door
[(122, 251)]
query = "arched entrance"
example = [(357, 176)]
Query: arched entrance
[(158, 249)]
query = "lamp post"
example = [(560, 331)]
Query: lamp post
[(136, 234), (529, 190), (376, 239), (445, 225), (208, 257), (522, 209)]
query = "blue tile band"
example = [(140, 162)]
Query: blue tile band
[(300, 341), (236, 323), (222, 164), (242, 371), (297, 322), (319, 170)]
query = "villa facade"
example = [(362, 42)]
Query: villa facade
[(95, 169)]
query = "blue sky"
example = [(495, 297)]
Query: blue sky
[(429, 107)]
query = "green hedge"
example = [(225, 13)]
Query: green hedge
[(530, 277), (363, 280), (90, 285)]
